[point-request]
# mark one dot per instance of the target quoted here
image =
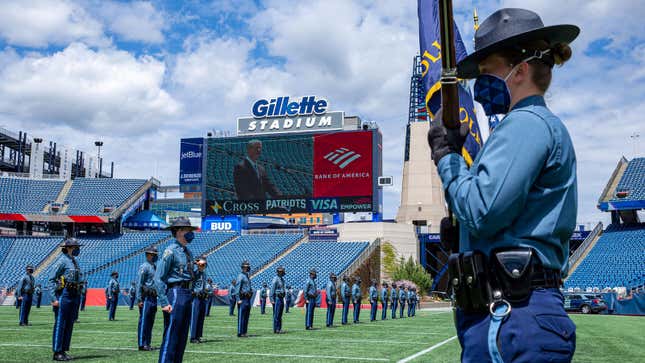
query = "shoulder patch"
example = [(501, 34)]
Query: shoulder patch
[(167, 252)]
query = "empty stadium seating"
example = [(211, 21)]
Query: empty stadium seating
[(224, 264), (617, 260), (98, 251), (88, 196), (633, 181), (24, 251), (325, 257), (27, 195)]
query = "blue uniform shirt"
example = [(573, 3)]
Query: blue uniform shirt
[(384, 294), (133, 291), (199, 284), (277, 287), (174, 266), (330, 290), (310, 288), (25, 285), (232, 292), (66, 271), (208, 289), (394, 294), (244, 284), (344, 290), (521, 189), (263, 292), (373, 293), (403, 296), (145, 279), (356, 292), (113, 288)]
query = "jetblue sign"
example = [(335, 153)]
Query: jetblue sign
[(190, 162), (282, 114)]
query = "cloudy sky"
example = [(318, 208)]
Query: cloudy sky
[(141, 75)]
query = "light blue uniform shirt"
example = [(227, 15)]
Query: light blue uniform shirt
[(67, 269), (344, 290), (330, 291), (384, 294), (145, 279), (310, 288), (403, 296), (174, 266), (243, 284), (113, 288), (373, 293), (521, 189), (356, 292), (25, 284), (277, 288)]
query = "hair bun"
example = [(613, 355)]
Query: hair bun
[(561, 53)]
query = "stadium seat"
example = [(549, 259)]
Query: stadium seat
[(27, 195), (89, 196), (22, 252)]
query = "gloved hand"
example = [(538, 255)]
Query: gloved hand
[(444, 141)]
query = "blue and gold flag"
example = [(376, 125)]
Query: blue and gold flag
[(429, 39)]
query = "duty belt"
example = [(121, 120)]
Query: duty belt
[(181, 284)]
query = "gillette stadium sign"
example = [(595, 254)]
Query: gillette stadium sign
[(283, 114)]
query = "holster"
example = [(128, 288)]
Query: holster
[(470, 281), (513, 270)]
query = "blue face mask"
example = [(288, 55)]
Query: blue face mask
[(76, 252), (493, 94), (189, 236), (155, 258)]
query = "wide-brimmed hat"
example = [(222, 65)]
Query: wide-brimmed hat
[(70, 242), (181, 222), (152, 250), (509, 27)]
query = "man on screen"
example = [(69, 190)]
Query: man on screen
[(250, 178)]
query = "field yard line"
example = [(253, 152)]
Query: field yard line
[(413, 356), (212, 352)]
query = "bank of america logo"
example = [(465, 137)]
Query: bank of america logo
[(342, 157)]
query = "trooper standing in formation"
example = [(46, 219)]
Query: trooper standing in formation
[(394, 294), (147, 299), (107, 297), (232, 298), (113, 294), (25, 293), (277, 299), (173, 281), (38, 291), (66, 275), (210, 290), (311, 293), (83, 295), (346, 295), (412, 300), (373, 292), (356, 299), (199, 301), (384, 300), (331, 297), (263, 298), (244, 303), (133, 294), (403, 298), (288, 300)]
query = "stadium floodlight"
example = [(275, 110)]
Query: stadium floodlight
[(38, 140)]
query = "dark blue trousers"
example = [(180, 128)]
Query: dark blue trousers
[(331, 310), (402, 307), (394, 307), (538, 330), (263, 305), (209, 303), (174, 339), (357, 310), (197, 318), (67, 308), (278, 307), (25, 308), (114, 301), (243, 313), (17, 303), (410, 306), (132, 299), (383, 310), (107, 303), (147, 315), (83, 299), (309, 314), (231, 306), (287, 305), (345, 310), (39, 299), (373, 308)]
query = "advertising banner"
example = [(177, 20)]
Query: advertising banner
[(190, 163)]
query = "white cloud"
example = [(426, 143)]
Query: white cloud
[(107, 91), (39, 23), (133, 21)]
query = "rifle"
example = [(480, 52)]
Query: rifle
[(449, 105)]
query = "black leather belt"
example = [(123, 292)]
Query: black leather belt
[(181, 284), (546, 278)]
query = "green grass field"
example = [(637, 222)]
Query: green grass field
[(600, 338)]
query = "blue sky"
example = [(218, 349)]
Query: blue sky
[(141, 75)]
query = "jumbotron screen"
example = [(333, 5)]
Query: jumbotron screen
[(291, 173)]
